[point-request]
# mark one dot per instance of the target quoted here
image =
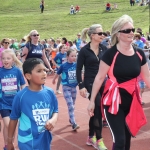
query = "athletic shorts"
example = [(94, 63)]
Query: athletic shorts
[(5, 112)]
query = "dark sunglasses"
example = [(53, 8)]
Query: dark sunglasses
[(100, 33), (35, 35), (6, 42), (126, 31)]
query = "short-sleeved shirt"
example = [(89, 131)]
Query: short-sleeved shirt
[(139, 44), (34, 109), (60, 58), (34, 51), (15, 46), (125, 67), (68, 71), (10, 82)]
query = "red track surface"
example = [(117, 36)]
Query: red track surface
[(66, 139)]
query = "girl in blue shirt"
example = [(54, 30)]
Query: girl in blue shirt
[(11, 81), (58, 61), (69, 82)]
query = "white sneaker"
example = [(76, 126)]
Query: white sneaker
[(58, 92)]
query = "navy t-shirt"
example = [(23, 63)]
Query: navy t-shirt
[(68, 71), (34, 51)]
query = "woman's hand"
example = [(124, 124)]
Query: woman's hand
[(83, 92), (91, 108)]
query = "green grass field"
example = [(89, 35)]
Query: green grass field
[(18, 17)]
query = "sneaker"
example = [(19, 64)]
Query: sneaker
[(92, 141), (105, 125), (58, 92), (101, 145), (75, 127)]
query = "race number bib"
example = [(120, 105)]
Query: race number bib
[(72, 76), (40, 117), (9, 86)]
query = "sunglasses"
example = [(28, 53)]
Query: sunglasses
[(127, 31), (6, 42), (35, 35), (100, 33)]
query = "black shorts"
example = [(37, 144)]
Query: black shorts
[(5, 112)]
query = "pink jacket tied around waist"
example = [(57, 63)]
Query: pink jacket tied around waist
[(136, 117)]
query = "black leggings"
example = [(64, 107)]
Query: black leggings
[(120, 133), (95, 122)]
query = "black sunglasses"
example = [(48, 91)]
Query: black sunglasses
[(35, 35), (100, 33), (6, 42), (126, 31)]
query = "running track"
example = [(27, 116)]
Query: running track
[(66, 139)]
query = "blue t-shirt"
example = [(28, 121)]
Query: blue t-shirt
[(34, 51), (68, 71), (139, 44), (10, 82), (60, 58), (34, 109), (78, 43)]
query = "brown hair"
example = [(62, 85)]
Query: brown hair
[(137, 35)]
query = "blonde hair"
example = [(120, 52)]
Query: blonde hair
[(89, 31), (5, 39), (117, 25), (28, 38), (17, 62)]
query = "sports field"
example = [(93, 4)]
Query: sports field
[(19, 17)]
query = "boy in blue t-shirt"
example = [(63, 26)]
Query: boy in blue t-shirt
[(36, 107)]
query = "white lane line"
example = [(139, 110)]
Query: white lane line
[(68, 142)]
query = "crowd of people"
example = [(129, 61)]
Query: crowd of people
[(115, 60)]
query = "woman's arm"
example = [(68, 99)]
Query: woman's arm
[(24, 53), (55, 64), (146, 74), (103, 69), (80, 64), (46, 60)]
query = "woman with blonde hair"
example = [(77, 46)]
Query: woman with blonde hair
[(34, 50), (5, 43), (11, 81), (122, 63), (89, 57)]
